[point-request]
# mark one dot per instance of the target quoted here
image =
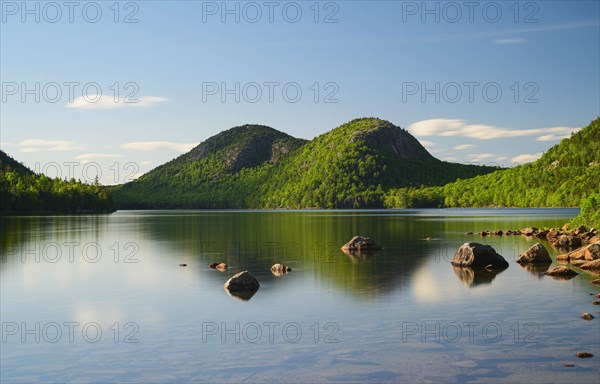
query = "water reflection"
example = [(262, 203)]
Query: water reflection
[(474, 277)]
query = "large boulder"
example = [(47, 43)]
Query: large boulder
[(537, 254), (242, 282), (567, 242), (360, 244), (219, 266), (477, 256)]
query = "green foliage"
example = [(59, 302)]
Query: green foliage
[(589, 214), (562, 177), (258, 167), (21, 190)]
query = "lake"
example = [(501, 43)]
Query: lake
[(102, 298)]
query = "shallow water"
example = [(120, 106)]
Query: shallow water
[(103, 299)]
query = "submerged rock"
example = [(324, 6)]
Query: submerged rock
[(478, 256), (183, 265), (537, 254)]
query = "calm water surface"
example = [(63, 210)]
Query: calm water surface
[(103, 299)]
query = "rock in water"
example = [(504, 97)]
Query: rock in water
[(591, 266), (537, 254), (586, 316), (529, 231), (475, 255), (592, 252), (219, 266), (567, 242), (280, 269), (584, 355), (359, 244), (561, 272), (242, 282)]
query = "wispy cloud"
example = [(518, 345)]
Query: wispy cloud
[(477, 157), (94, 156), (156, 145), (526, 158), (426, 143), (107, 102), (462, 147), (518, 40), (39, 145), (456, 127)]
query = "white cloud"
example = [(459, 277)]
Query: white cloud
[(517, 40), (525, 158), (156, 145), (91, 156), (456, 127), (450, 159), (501, 158), (477, 157), (108, 102), (38, 145), (463, 147), (147, 162), (426, 143)]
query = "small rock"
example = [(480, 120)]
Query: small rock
[(359, 243), (542, 234), (242, 281), (183, 265), (579, 230), (586, 316), (280, 269), (591, 266), (561, 272), (469, 233), (429, 238), (498, 233), (567, 242), (584, 355), (569, 365), (529, 231), (537, 254), (596, 302), (592, 252), (597, 295), (597, 281), (219, 266)]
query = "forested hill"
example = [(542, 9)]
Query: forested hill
[(562, 177), (224, 171), (255, 166), (354, 164), (23, 191)]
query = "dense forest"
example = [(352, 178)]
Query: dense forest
[(562, 177), (254, 166), (23, 191)]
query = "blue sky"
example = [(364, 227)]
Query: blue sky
[(480, 82)]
